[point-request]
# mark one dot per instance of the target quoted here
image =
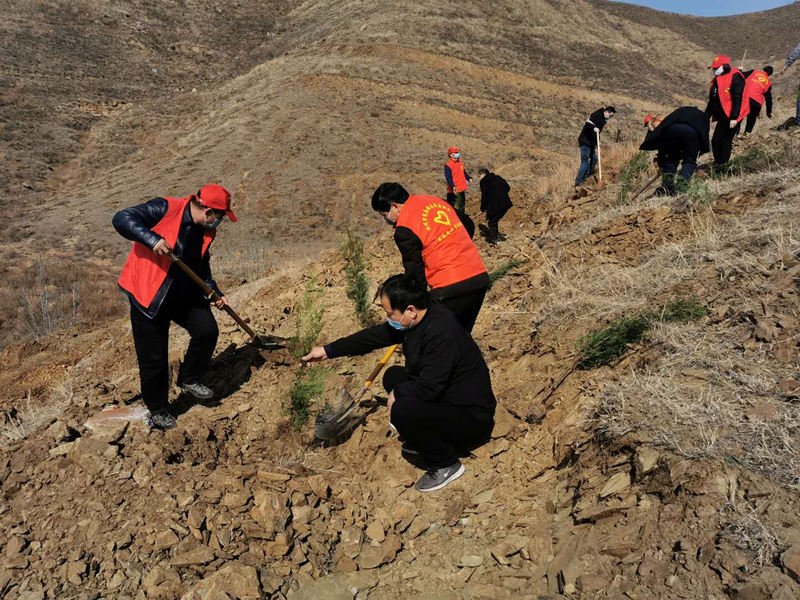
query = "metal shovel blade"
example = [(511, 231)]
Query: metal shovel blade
[(333, 422), (269, 342)]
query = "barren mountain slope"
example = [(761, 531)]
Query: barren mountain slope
[(660, 475), (357, 93), (764, 34)]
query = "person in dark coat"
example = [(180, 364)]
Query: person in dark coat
[(681, 137), (587, 141), (495, 202), (441, 403)]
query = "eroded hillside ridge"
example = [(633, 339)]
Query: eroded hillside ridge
[(299, 108), (666, 473)]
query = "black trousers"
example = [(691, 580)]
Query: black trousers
[(494, 222), (722, 141), (752, 116), (440, 432), (465, 307), (151, 340), (680, 143)]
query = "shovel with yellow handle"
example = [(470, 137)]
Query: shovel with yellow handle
[(330, 424)]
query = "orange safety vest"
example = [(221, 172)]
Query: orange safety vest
[(457, 171), (757, 85), (448, 252), (724, 92), (145, 271)]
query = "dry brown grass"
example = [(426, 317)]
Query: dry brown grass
[(703, 396), (748, 530), (30, 416)]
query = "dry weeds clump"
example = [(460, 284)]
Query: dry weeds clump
[(747, 530), (20, 423), (703, 398)]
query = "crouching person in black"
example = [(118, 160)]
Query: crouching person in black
[(441, 403)]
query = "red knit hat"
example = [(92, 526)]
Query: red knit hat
[(216, 197), (452, 150), (720, 60), (647, 119)]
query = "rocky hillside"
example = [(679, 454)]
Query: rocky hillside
[(669, 472), (300, 108)]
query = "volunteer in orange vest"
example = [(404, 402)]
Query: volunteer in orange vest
[(759, 91), (160, 293), (437, 249), (727, 105), (458, 180)]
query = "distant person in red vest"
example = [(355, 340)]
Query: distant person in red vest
[(161, 293), (790, 60), (728, 104), (759, 91), (435, 242), (458, 180), (587, 141)]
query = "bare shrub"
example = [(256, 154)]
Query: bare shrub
[(47, 306), (242, 258)]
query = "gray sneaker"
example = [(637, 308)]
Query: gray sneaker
[(162, 420), (198, 390), (437, 478)]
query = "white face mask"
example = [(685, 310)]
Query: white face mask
[(457, 155), (719, 70)]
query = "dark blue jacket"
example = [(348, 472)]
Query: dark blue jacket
[(135, 224)]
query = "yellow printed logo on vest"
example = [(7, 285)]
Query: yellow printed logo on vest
[(441, 216)]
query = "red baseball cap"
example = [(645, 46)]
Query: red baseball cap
[(452, 150), (217, 197), (648, 118), (720, 60)]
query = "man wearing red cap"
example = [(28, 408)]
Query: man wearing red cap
[(457, 179), (161, 293), (727, 105)]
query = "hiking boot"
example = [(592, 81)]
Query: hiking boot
[(162, 420), (438, 477), (198, 390)]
